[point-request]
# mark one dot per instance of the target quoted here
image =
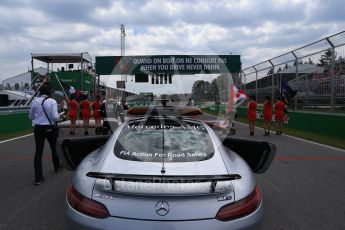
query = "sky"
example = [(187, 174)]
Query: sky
[(257, 30)]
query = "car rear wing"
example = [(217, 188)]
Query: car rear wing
[(112, 177)]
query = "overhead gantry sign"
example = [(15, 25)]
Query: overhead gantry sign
[(168, 64)]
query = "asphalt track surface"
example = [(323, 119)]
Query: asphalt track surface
[(303, 189)]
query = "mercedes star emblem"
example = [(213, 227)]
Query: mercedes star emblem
[(162, 208)]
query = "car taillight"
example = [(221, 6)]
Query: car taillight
[(240, 208), (85, 205)]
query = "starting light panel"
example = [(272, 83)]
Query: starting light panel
[(161, 79)]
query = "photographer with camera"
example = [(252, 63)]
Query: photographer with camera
[(44, 115)]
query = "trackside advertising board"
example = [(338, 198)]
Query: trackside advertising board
[(171, 64)]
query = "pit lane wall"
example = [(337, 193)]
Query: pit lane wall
[(326, 124), (14, 122)]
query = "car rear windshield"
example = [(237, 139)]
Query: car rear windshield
[(171, 140)]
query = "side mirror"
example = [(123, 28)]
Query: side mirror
[(258, 154), (72, 151)]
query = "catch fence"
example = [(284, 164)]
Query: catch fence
[(315, 73)]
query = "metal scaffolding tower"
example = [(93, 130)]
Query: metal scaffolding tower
[(123, 40), (123, 46)]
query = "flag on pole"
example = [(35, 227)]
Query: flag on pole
[(236, 97), (68, 88), (65, 89), (240, 96), (286, 91)]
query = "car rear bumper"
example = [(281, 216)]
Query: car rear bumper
[(76, 220)]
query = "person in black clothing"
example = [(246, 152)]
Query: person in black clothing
[(106, 126), (119, 110), (44, 114), (116, 113)]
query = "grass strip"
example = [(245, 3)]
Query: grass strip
[(15, 134), (315, 137)]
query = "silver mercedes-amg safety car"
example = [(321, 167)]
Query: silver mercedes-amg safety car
[(164, 172)]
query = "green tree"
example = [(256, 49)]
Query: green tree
[(214, 90), (270, 72), (326, 58), (198, 90), (296, 61)]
